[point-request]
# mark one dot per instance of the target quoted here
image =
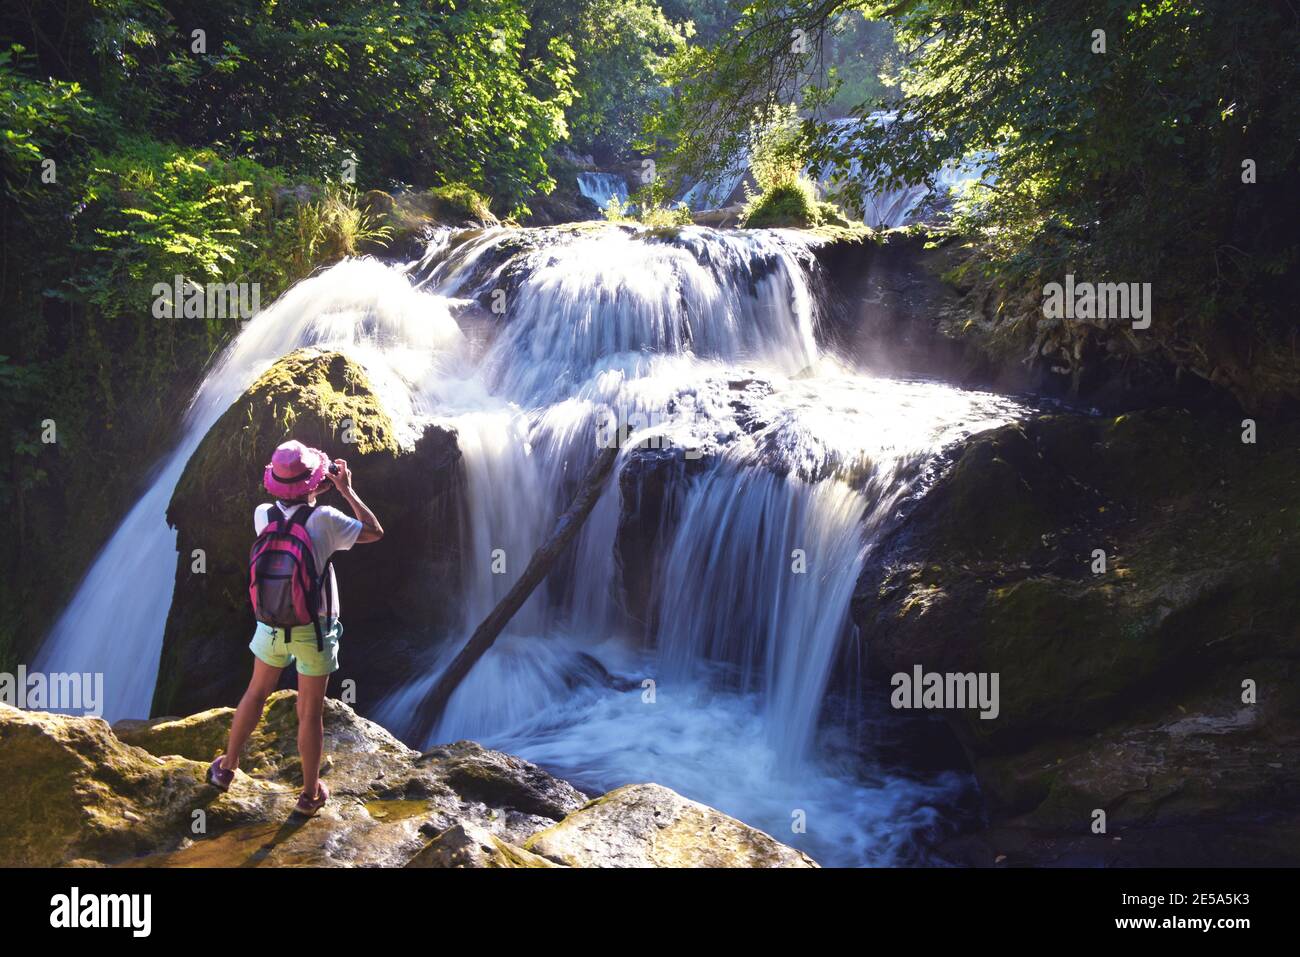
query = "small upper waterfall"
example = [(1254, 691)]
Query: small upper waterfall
[(600, 188), (707, 346), (886, 208), (900, 205)]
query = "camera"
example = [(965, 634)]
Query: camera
[(334, 469)]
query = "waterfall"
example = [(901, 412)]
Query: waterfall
[(706, 343), (114, 623), (711, 342), (717, 189), (900, 205), (600, 188), (886, 208)]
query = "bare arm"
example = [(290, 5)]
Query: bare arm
[(371, 530)]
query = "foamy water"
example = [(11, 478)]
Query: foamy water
[(713, 340)]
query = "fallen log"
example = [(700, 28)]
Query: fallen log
[(566, 530)]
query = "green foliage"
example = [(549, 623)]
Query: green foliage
[(41, 120), (332, 228), (150, 211), (650, 206), (777, 149), (860, 57), (620, 49), (411, 91), (706, 20), (815, 55), (1123, 166), (785, 196)]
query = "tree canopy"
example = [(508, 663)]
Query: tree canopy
[(1133, 141)]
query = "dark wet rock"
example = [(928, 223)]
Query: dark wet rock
[(499, 779), (652, 487), (1120, 690)]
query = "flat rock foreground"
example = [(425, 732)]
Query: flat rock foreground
[(75, 791)]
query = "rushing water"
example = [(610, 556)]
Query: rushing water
[(600, 188), (880, 208), (709, 344)]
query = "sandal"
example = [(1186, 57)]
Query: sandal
[(307, 807), (218, 776)]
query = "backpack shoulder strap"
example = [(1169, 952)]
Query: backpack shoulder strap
[(301, 514), (323, 597)]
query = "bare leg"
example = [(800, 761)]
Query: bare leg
[(249, 711), (311, 728)]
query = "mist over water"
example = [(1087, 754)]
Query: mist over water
[(709, 343)]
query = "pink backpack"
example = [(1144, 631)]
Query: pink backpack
[(283, 584)]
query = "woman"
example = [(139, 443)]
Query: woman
[(294, 477)]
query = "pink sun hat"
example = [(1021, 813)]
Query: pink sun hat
[(295, 470)]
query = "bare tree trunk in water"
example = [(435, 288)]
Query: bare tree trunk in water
[(566, 530)]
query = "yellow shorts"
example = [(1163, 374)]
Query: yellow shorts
[(268, 645)]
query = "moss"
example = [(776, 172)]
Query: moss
[(69, 788), (782, 206), (319, 398), (792, 205), (464, 200)]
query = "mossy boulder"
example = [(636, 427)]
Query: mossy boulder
[(793, 205), (70, 790), (399, 591), (410, 215), (74, 790), (999, 568)]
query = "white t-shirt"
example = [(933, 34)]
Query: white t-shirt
[(330, 531)]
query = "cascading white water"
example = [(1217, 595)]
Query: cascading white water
[(114, 624), (600, 188), (814, 459), (898, 206), (716, 190), (711, 338)]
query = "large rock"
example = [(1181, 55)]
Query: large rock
[(646, 825), (410, 216), (393, 591), (1120, 690), (74, 791), (70, 790)]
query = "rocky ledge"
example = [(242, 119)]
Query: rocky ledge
[(75, 791)]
